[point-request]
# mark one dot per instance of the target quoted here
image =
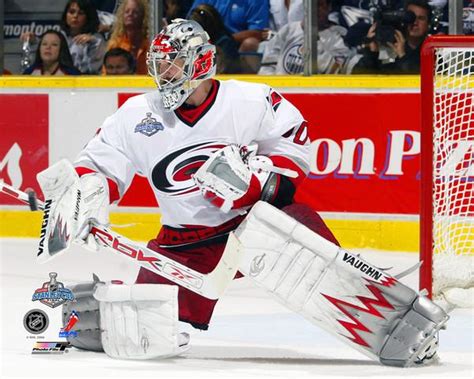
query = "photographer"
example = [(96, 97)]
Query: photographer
[(401, 46), (284, 54)]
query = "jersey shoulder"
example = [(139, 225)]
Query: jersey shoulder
[(144, 105), (245, 91), (138, 101), (125, 118)]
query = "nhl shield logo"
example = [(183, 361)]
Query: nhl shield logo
[(149, 126), (53, 293), (36, 321)]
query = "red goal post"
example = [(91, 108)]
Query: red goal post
[(447, 168)]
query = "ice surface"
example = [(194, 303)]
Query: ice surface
[(250, 336)]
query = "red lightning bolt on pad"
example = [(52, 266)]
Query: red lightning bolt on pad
[(369, 303)]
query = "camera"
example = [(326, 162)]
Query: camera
[(384, 13), (389, 21)]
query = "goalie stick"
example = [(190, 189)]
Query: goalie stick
[(211, 285)]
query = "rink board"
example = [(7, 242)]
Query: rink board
[(364, 156), (375, 230)]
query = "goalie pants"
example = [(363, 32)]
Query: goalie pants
[(204, 254)]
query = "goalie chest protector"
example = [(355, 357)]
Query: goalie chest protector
[(167, 147)]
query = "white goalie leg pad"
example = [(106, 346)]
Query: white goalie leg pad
[(338, 290), (139, 321), (86, 331)]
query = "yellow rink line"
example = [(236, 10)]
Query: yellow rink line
[(282, 81), (394, 235), (26, 224)]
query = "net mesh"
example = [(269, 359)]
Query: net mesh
[(453, 166)]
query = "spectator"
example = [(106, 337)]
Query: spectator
[(130, 31), (468, 17), (440, 22), (79, 24), (403, 54), (278, 14), (350, 12), (246, 20), (278, 18), (106, 11), (109, 6), (52, 56), (176, 9), (284, 53), (118, 61), (295, 10), (227, 53)]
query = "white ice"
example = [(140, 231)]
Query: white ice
[(250, 335)]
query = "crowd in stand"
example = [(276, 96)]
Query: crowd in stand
[(111, 37)]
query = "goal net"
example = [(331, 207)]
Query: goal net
[(447, 169)]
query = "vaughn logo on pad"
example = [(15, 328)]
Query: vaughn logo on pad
[(53, 293)]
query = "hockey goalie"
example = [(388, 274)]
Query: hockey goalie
[(224, 159)]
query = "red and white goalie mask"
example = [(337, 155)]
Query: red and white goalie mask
[(180, 57)]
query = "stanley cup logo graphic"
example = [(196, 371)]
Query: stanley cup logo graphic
[(53, 283), (53, 293), (149, 126)]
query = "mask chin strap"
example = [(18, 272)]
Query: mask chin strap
[(174, 99), (192, 84)]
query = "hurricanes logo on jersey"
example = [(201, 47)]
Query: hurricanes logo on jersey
[(172, 174)]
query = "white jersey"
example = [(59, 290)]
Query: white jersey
[(284, 53), (141, 138)]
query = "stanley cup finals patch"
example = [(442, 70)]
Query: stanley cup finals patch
[(53, 293), (149, 126)]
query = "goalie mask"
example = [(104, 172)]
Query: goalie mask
[(180, 57)]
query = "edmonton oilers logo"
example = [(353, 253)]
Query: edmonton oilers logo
[(53, 293), (293, 62)]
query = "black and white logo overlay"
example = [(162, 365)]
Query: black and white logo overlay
[(36, 321)]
